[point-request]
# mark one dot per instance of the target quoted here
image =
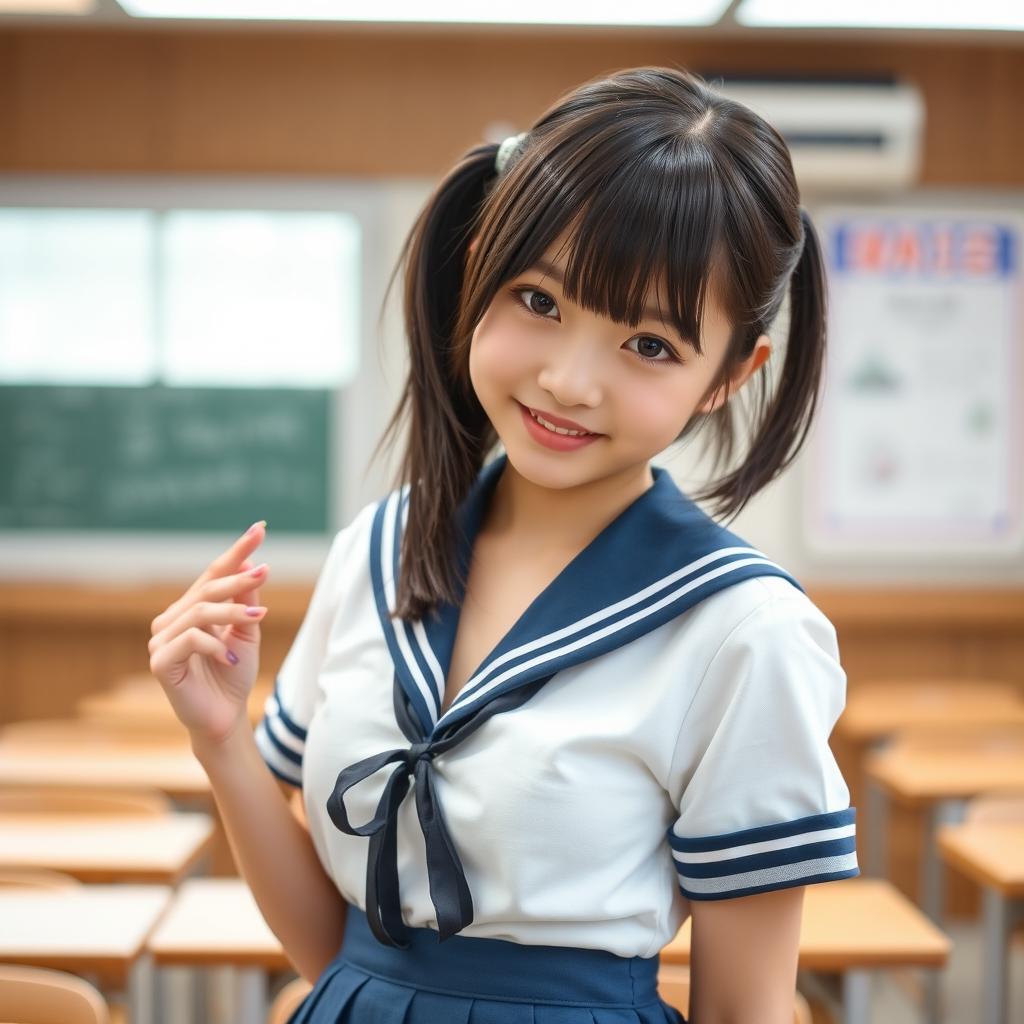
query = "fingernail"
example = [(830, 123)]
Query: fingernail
[(259, 570), (255, 610), (252, 529), (232, 657)]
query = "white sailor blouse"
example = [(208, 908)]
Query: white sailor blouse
[(652, 730)]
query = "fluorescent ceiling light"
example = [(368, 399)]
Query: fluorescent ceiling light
[(47, 6), (527, 12), (993, 15)]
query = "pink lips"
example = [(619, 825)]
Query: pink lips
[(557, 442), (560, 421)]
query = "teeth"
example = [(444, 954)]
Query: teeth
[(558, 430)]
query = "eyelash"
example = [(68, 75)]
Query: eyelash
[(518, 292)]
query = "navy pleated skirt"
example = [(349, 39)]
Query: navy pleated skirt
[(468, 980)]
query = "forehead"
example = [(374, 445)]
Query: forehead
[(715, 328)]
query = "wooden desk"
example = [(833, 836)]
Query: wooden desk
[(877, 709), (938, 773), (107, 849), (100, 930), (170, 768), (992, 855), (140, 703), (214, 923), (853, 927)]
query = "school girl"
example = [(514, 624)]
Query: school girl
[(543, 707)]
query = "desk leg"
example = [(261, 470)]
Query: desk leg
[(252, 995), (140, 990), (178, 995), (995, 951), (238, 995), (856, 997), (933, 874), (933, 892), (878, 829)]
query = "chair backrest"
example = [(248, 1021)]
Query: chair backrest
[(37, 995), (287, 1001), (80, 800), (674, 988), (35, 878), (997, 806)]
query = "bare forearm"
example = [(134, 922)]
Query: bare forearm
[(274, 854)]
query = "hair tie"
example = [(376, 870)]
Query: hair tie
[(506, 149)]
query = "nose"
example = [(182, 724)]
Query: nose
[(571, 374)]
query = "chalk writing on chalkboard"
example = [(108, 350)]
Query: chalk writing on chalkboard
[(162, 458)]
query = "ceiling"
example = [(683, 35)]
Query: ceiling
[(108, 14)]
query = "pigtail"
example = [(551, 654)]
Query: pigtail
[(787, 417), (448, 431)]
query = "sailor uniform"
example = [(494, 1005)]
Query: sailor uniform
[(652, 730)]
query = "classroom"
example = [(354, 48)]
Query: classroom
[(337, 662)]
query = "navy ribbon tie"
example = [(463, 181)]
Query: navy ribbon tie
[(449, 890)]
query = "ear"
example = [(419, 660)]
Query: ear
[(743, 370)]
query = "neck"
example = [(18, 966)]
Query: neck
[(563, 519)]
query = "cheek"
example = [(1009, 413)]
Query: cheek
[(657, 410), (496, 356)]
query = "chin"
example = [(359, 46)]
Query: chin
[(551, 469)]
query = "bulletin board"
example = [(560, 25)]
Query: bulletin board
[(918, 443)]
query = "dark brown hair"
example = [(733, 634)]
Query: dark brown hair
[(654, 177)]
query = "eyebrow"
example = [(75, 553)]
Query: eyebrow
[(549, 269)]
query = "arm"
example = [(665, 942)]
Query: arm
[(274, 853), (743, 958)]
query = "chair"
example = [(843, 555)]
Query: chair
[(82, 800), (36, 878), (37, 995), (674, 988), (287, 1001)]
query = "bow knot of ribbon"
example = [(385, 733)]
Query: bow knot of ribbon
[(446, 878), (449, 890), (418, 752)]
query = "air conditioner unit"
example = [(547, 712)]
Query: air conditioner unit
[(843, 135)]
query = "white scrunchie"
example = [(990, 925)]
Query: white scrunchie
[(506, 149)]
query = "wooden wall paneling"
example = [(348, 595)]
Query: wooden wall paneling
[(397, 102)]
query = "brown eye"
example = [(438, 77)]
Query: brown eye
[(537, 302), (653, 350)]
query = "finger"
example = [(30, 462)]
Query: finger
[(170, 662), (227, 562), (208, 616)]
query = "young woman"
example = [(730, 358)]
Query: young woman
[(611, 711)]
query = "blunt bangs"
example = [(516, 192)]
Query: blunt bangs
[(642, 217)]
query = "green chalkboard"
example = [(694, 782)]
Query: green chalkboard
[(164, 458)]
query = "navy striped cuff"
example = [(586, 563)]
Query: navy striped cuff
[(281, 741), (817, 848)]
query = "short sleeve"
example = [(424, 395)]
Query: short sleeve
[(281, 733), (761, 801)]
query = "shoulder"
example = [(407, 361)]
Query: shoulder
[(352, 541), (769, 607)]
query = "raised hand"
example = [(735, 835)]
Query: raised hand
[(205, 646)]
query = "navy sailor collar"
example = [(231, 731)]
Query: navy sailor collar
[(660, 556)]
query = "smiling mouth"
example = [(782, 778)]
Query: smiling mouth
[(555, 429)]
